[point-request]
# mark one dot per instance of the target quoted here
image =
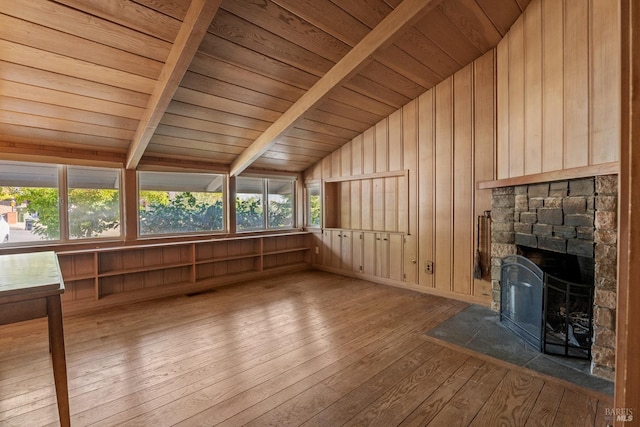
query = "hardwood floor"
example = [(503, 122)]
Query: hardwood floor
[(309, 348)]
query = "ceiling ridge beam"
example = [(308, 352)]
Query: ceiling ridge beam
[(192, 31), (406, 14)]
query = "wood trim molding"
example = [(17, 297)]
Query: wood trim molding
[(375, 175), (48, 152), (627, 384), (406, 14), (192, 31), (573, 173)]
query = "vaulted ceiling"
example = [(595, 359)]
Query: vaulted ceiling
[(236, 84)]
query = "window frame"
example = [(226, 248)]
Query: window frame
[(224, 198), (265, 203), (65, 205), (62, 186), (307, 203)]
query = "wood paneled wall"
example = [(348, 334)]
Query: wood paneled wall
[(558, 88), (445, 139)]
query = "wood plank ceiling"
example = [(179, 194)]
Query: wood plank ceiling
[(270, 84)]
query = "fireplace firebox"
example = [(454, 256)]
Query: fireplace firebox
[(550, 313)]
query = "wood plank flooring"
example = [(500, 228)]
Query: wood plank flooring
[(308, 348)]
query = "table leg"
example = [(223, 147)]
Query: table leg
[(56, 339)]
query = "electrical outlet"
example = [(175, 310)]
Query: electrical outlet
[(428, 267)]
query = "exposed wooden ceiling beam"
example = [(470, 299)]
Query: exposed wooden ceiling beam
[(406, 14), (193, 29)]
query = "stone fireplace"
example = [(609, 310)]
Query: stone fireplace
[(575, 218)]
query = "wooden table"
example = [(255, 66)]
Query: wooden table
[(30, 287)]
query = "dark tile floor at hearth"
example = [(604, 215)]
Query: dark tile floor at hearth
[(479, 329)]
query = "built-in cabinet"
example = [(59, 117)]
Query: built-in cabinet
[(374, 254), (110, 276)]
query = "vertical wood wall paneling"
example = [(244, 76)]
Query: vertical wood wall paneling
[(367, 204), (345, 204), (344, 154), (391, 189), (378, 203), (443, 264), (336, 164), (533, 88), (502, 82), (395, 145), (369, 166), (369, 151), (382, 165), (408, 191), (327, 211), (571, 49), (382, 145), (326, 167), (484, 148), (356, 155), (552, 85), (356, 188), (576, 84), (463, 180), (426, 185), (345, 159), (393, 163), (516, 99), (604, 56)]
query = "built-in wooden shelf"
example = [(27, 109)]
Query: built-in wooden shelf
[(561, 175), (102, 277)]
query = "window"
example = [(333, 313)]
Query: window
[(249, 204), (29, 201), (93, 202), (30, 195), (280, 198), (314, 206), (175, 203), (264, 203)]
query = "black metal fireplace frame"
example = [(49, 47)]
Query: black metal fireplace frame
[(517, 264), (569, 289), (539, 338)]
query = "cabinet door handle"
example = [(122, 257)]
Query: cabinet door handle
[(385, 239)]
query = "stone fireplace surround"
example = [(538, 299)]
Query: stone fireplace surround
[(577, 217)]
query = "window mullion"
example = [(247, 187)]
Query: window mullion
[(265, 201), (63, 203)]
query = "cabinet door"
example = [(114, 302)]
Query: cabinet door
[(369, 253), (357, 248), (327, 248), (336, 248), (345, 245), (410, 259), (382, 255), (395, 256)]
